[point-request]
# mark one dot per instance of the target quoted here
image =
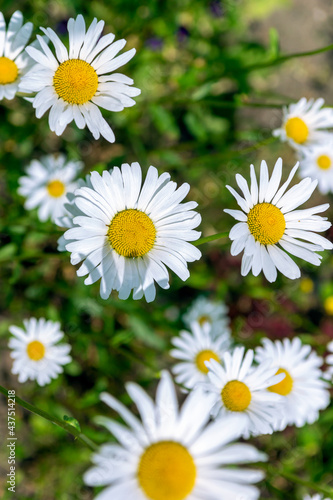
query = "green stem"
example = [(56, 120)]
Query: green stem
[(61, 423), (213, 237)]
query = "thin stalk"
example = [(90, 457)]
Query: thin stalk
[(213, 237)]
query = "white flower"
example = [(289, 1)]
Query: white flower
[(36, 357), (204, 310), (268, 219), (303, 123), (315, 497), (240, 388), (194, 349), (127, 233), (75, 83), (47, 183), (172, 454), (328, 374), (317, 163), (303, 390), (13, 61)]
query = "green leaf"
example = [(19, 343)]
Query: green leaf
[(73, 422)]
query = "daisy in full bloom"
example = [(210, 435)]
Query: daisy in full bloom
[(239, 387), (303, 123), (268, 221), (194, 348), (172, 453), (14, 62), (303, 390), (46, 184), (36, 357), (317, 163), (76, 82), (126, 233), (204, 310)]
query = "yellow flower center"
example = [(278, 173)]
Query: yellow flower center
[(324, 162), (266, 223), (285, 386), (75, 81), (35, 350), (8, 71), (297, 130), (166, 471), (204, 319), (236, 396), (56, 188), (203, 356), (131, 233)]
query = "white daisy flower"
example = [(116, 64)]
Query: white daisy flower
[(268, 219), (303, 123), (315, 497), (204, 310), (47, 183), (36, 357), (240, 388), (172, 454), (75, 83), (303, 390), (13, 60), (127, 233), (317, 163), (328, 373), (194, 348)]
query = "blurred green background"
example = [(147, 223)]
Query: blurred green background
[(203, 116)]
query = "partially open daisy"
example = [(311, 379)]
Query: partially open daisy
[(194, 349), (268, 221), (14, 62), (240, 389), (317, 163), (172, 454), (127, 233), (204, 310), (36, 357), (303, 123), (46, 184), (303, 390), (75, 83)]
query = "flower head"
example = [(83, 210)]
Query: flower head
[(172, 454), (76, 82), (303, 390), (203, 310), (47, 183), (303, 123), (268, 221), (126, 233), (36, 357), (317, 163)]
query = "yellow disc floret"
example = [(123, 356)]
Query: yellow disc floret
[(324, 162), (297, 130), (131, 233), (203, 356), (236, 396), (56, 188), (75, 81), (204, 319), (285, 386), (166, 471), (266, 223), (8, 71), (35, 350)]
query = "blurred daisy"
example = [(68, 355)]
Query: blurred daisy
[(172, 454), (13, 61), (303, 390), (194, 349), (127, 233), (47, 183), (240, 388), (328, 374), (317, 163), (204, 310), (36, 357), (268, 219), (303, 123), (75, 83), (315, 497)]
